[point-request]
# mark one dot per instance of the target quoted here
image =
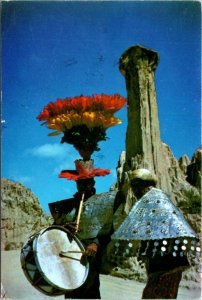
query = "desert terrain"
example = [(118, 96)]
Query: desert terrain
[(16, 286)]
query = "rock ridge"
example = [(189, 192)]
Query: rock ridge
[(21, 214)]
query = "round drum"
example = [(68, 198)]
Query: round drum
[(53, 261)]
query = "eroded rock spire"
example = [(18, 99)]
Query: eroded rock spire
[(138, 64)]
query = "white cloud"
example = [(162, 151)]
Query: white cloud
[(49, 151), (61, 157)]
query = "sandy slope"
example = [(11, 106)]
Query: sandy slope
[(16, 285)]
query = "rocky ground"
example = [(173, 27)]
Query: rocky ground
[(16, 286)]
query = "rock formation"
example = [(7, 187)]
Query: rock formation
[(21, 214), (143, 144), (144, 147)]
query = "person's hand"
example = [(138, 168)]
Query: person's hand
[(91, 249), (72, 226)]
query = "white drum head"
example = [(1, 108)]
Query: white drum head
[(64, 272)]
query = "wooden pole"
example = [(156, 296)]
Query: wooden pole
[(79, 212)]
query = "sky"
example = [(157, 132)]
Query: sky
[(63, 49)]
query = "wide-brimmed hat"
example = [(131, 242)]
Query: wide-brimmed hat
[(142, 174)]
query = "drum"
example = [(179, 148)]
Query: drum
[(53, 261)]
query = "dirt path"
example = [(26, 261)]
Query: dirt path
[(16, 286)]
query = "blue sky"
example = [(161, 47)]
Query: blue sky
[(56, 49)]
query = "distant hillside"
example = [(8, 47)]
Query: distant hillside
[(21, 214)]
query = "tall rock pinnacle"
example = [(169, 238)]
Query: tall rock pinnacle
[(143, 136), (143, 143), (144, 148)]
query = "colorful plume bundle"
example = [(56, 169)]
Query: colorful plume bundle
[(83, 119), (84, 170), (81, 104)]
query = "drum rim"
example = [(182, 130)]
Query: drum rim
[(30, 241), (58, 292), (43, 230)]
